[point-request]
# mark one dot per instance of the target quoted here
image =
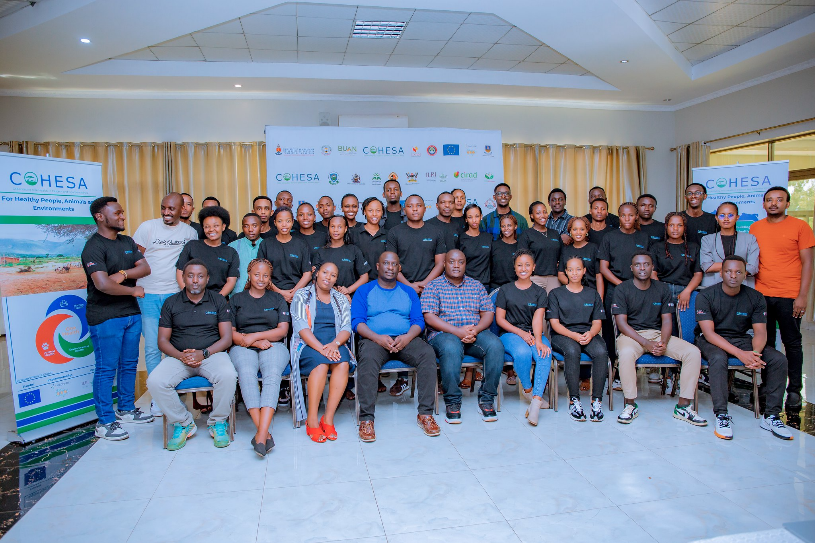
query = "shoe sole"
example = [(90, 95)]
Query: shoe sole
[(400, 393), (576, 419), (595, 419), (192, 433), (134, 421), (693, 423), (486, 418), (452, 421), (366, 440), (428, 434), (628, 421), (785, 438), (720, 436), (119, 438)]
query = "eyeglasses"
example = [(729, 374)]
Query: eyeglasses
[(726, 215), (502, 193), (694, 193)]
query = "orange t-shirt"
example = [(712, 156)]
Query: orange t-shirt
[(779, 257)]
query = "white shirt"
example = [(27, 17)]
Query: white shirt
[(162, 245)]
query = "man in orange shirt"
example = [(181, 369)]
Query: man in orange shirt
[(784, 275)]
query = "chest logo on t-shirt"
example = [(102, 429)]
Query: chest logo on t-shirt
[(346, 260), (128, 252), (657, 303), (532, 304), (427, 239), (741, 314), (701, 231), (293, 255), (587, 259), (485, 246), (640, 246), (223, 259), (588, 305), (269, 309), (211, 313)]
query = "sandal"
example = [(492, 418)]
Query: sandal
[(381, 387), (465, 384), (328, 430), (349, 395), (512, 378), (316, 434)]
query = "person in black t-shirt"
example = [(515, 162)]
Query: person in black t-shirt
[(186, 212), (724, 314), (326, 209), (599, 193), (372, 237), (313, 238), (699, 223), (576, 314), (646, 207), (599, 224), (476, 246), (642, 309), (676, 261), (350, 207), (544, 244), (583, 249), (194, 331), (443, 221), (222, 261), (459, 203), (419, 246), (392, 193), (260, 322), (112, 263), (502, 268), (290, 256), (352, 268), (262, 207), (228, 236)]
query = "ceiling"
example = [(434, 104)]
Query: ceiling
[(564, 53)]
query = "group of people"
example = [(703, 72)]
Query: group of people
[(333, 299)]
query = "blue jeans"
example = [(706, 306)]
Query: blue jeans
[(450, 351), (116, 349), (150, 307), (522, 355)]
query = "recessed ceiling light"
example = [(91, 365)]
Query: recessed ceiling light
[(378, 29), (666, 100), (237, 86), (84, 40), (623, 62)]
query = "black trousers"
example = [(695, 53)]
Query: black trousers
[(570, 349), (774, 374), (372, 357), (608, 326), (779, 315)]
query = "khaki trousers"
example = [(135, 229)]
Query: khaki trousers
[(546, 282), (628, 351)]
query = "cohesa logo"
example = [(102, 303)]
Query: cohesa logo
[(64, 317), (47, 181)]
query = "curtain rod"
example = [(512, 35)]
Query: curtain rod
[(576, 146), (759, 131)]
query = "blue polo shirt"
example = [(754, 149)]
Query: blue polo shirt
[(389, 312)]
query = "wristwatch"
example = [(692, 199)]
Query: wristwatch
[(206, 353)]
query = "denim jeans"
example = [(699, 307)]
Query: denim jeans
[(522, 355), (450, 351), (150, 307), (116, 349)]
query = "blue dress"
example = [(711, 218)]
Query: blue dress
[(325, 331)]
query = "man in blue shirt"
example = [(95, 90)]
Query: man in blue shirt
[(491, 223), (387, 315)]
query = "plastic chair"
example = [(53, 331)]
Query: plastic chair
[(395, 366), (687, 325), (200, 384)]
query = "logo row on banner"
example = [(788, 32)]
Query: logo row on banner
[(379, 178), (447, 149)]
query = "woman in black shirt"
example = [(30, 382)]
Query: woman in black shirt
[(476, 246), (576, 315), (314, 238), (372, 237), (599, 226), (502, 269), (222, 261), (578, 229), (290, 257), (544, 244), (352, 268), (676, 260), (260, 322)]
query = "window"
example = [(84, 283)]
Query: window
[(740, 155)]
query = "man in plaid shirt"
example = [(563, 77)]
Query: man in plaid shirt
[(458, 312)]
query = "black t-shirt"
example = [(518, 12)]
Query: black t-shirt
[(729, 245), (289, 260), (545, 247), (655, 231), (109, 256), (350, 262), (596, 236), (320, 227), (451, 231), (194, 326), (575, 311), (417, 249), (677, 270), (372, 247), (612, 220), (521, 305), (392, 219), (222, 262), (227, 237), (732, 316), (250, 314), (502, 264), (313, 241), (618, 249), (699, 227), (477, 250), (461, 222), (588, 254), (644, 308)]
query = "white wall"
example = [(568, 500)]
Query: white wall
[(62, 119)]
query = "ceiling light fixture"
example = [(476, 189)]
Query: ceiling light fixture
[(623, 62), (378, 29), (84, 40), (237, 86), (666, 100)]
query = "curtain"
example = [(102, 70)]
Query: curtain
[(689, 156), (532, 170)]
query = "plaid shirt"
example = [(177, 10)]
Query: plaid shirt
[(560, 224), (457, 305)]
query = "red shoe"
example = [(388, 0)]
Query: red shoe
[(328, 430), (316, 434)]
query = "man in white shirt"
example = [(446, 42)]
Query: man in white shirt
[(160, 241)]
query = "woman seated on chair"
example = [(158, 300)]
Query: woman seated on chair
[(260, 322), (576, 316), (321, 321), (519, 313)]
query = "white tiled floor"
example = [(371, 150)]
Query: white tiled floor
[(658, 479)]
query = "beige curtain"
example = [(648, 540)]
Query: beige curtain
[(532, 170), (689, 156)]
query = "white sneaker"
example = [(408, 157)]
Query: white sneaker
[(137, 416), (154, 409), (111, 431), (576, 410), (654, 377), (724, 426), (774, 424), (617, 385), (690, 416), (630, 412)]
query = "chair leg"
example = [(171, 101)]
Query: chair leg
[(413, 383), (164, 424), (500, 395), (610, 388), (232, 422), (356, 408), (756, 408), (436, 395), (554, 390)]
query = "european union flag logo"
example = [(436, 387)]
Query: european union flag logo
[(450, 149), (29, 398)]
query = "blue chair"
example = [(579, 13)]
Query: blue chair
[(687, 325), (585, 360), (194, 384), (395, 366)]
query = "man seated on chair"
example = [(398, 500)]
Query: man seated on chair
[(725, 313), (194, 331), (387, 315), (458, 312), (642, 309)]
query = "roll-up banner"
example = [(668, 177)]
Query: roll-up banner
[(45, 221)]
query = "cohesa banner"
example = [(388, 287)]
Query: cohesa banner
[(744, 185), (44, 212), (334, 161)]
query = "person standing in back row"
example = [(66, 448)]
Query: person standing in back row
[(599, 193), (784, 276), (699, 223), (559, 218), (228, 236), (646, 207), (459, 203), (222, 261), (392, 193), (491, 223), (420, 246), (443, 220)]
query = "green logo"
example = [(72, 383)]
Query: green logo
[(30, 178), (721, 182), (373, 150), (286, 177)]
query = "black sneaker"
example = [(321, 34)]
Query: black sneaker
[(576, 409), (596, 411), (453, 415), (284, 398), (487, 412)]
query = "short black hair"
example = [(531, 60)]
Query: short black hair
[(214, 211), (521, 252), (555, 190), (700, 185), (468, 207), (642, 252), (438, 198), (533, 204), (390, 180), (99, 204), (325, 196), (736, 258), (371, 199), (186, 194), (455, 189), (286, 191), (251, 214), (728, 204), (305, 204), (647, 195), (412, 195), (344, 196), (777, 188), (595, 187), (499, 185), (195, 262), (282, 209), (599, 200), (261, 197), (211, 199)]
